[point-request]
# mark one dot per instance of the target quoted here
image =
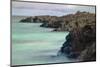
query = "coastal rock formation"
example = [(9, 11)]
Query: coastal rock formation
[(81, 41), (28, 19), (62, 23), (51, 22), (80, 44), (70, 21)]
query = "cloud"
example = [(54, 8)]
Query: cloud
[(26, 8)]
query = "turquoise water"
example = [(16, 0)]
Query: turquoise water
[(32, 44)]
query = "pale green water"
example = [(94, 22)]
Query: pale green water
[(32, 44)]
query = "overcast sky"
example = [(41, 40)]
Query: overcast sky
[(36, 9)]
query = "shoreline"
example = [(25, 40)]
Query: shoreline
[(80, 44)]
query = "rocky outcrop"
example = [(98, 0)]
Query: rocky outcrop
[(52, 22), (63, 23), (81, 43), (27, 20), (71, 20)]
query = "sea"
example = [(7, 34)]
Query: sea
[(32, 44)]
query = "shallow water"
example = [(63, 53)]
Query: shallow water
[(32, 44)]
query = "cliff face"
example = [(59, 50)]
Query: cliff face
[(81, 41), (80, 44)]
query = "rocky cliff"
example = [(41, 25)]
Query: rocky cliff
[(81, 41), (63, 23), (80, 44)]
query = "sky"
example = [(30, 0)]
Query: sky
[(66, 1), (36, 9)]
